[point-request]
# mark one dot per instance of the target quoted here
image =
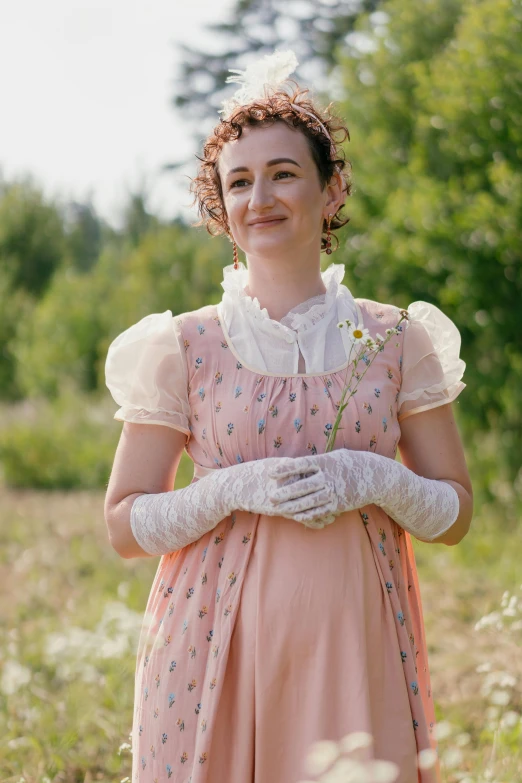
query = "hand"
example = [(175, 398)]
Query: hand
[(349, 476), (250, 487)]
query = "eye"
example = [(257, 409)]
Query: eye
[(236, 182), (290, 173)]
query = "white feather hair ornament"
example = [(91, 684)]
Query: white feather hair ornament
[(259, 78)]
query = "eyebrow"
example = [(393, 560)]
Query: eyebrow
[(273, 162)]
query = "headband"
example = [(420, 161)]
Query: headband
[(267, 74)]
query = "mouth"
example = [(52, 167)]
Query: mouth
[(267, 223)]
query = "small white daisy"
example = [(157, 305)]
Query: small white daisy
[(358, 335)]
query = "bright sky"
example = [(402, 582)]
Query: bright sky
[(85, 97)]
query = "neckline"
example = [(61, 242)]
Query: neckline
[(228, 340), (235, 280)]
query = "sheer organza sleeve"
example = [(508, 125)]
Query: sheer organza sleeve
[(431, 368), (146, 373)]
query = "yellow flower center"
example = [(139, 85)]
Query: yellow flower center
[(357, 334)]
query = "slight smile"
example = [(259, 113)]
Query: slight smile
[(266, 223)]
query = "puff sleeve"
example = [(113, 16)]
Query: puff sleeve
[(146, 373), (431, 368)]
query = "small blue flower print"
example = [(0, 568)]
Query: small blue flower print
[(190, 592), (403, 656), (143, 762), (239, 458), (385, 424), (146, 693), (414, 687), (399, 328), (365, 359), (163, 739), (197, 708), (218, 594), (201, 392), (260, 426), (141, 730), (218, 377), (357, 426), (238, 391), (230, 428), (239, 365), (415, 725), (199, 362), (172, 666), (297, 424), (389, 587), (204, 554), (201, 329), (292, 396), (326, 391), (381, 547), (261, 397), (377, 392), (400, 618), (218, 463), (327, 429), (400, 363), (210, 635), (204, 433), (169, 771)]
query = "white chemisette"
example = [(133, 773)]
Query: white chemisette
[(310, 328)]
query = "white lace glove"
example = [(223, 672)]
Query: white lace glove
[(168, 521), (424, 507)]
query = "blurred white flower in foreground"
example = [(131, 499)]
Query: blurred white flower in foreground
[(14, 676), (349, 761)]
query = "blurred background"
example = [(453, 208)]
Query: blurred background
[(104, 108)]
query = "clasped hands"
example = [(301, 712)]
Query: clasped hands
[(315, 489)]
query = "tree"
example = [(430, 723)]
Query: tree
[(313, 29), (435, 114)]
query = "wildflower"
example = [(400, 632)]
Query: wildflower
[(358, 335)]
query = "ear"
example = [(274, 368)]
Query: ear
[(334, 193)]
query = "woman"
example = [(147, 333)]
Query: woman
[(286, 606)]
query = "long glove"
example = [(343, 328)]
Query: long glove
[(168, 521), (424, 507)]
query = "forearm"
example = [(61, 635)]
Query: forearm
[(460, 527), (430, 509), (145, 525)]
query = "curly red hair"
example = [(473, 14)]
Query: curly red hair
[(206, 186)]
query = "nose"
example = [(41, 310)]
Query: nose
[(261, 195)]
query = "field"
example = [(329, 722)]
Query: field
[(70, 610)]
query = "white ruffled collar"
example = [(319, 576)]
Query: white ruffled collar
[(235, 280)]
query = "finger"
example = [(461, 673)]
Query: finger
[(297, 465), (316, 516), (297, 489), (314, 500)]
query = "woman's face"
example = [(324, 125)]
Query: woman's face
[(271, 190)]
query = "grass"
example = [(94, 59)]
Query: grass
[(70, 610)]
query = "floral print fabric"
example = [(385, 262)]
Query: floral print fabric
[(336, 638)]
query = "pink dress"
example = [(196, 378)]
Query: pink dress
[(265, 636)]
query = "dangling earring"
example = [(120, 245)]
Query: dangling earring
[(236, 260), (328, 237)]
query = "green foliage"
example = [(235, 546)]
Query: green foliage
[(31, 236), (58, 446), (438, 206)]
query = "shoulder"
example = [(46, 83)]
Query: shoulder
[(379, 314), (196, 320)]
